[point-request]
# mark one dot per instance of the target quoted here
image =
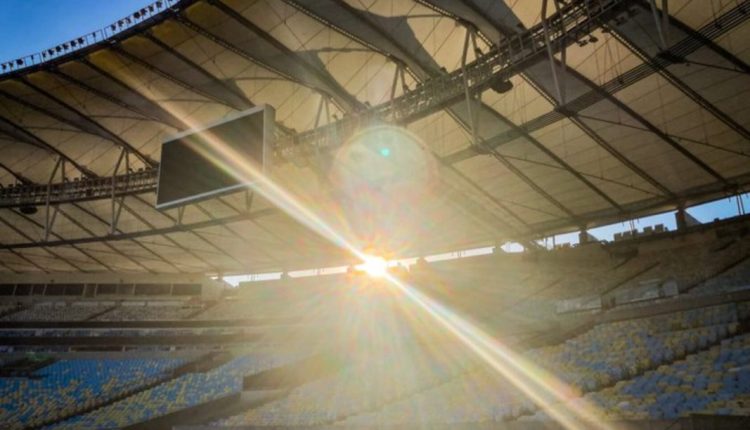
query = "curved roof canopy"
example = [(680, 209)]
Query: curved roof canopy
[(644, 111)]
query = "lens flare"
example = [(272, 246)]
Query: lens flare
[(374, 266), (548, 392)]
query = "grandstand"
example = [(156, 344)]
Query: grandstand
[(314, 214)]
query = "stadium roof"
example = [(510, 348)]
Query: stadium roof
[(635, 114)]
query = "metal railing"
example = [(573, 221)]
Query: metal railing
[(512, 54), (79, 189), (76, 44)]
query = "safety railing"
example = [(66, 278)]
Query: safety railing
[(89, 39), (79, 189)]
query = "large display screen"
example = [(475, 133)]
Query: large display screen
[(194, 163)]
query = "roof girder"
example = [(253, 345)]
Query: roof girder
[(84, 122), (713, 29), (104, 96), (634, 36), (494, 30), (119, 231), (300, 70), (238, 99), (22, 135), (424, 67), (209, 95)]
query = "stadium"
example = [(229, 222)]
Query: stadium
[(385, 214)]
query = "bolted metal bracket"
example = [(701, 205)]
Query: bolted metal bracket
[(50, 211), (471, 97), (116, 203), (548, 27)]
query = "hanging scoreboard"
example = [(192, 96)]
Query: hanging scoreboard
[(215, 159)]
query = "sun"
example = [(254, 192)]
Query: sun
[(374, 266)]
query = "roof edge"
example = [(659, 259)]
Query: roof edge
[(117, 31)]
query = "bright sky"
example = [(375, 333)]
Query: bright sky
[(721, 209), (29, 26)]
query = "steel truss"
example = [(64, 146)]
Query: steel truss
[(78, 190), (433, 95), (510, 57)]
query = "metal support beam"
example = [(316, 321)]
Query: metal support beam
[(176, 225), (146, 233), (575, 119), (85, 123), (669, 140), (238, 99), (7, 266), (233, 233), (153, 107), (533, 185), (660, 66), (386, 44), (620, 157), (34, 244), (714, 29), (49, 220), (557, 78), (739, 13), (74, 220), (169, 76), (180, 214), (178, 221), (399, 74), (27, 259), (115, 201), (405, 60), (58, 237), (564, 165), (137, 243), (19, 177), (83, 128), (88, 231), (306, 72), (248, 206), (470, 97), (22, 135), (104, 96), (661, 23), (500, 203), (321, 164)]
